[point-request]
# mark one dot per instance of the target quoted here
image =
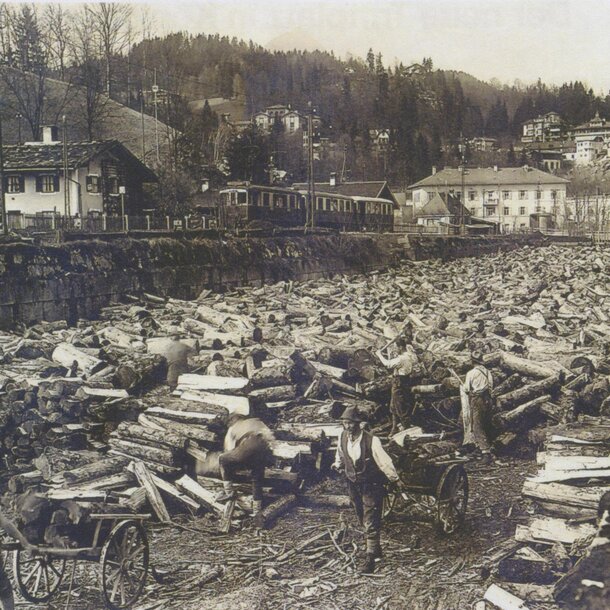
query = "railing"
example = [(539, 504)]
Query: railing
[(601, 237), (37, 223)]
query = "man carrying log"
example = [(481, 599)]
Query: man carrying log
[(477, 402), (176, 355), (247, 446), (367, 467), (401, 402)]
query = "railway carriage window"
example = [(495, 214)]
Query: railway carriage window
[(349, 205), (266, 199), (292, 202), (318, 203), (255, 197), (242, 198), (278, 201)]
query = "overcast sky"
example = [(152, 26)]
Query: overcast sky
[(556, 40)]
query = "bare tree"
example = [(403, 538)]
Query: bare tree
[(85, 50), (111, 22), (56, 36)]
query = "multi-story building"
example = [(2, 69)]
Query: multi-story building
[(592, 140), (291, 120), (544, 128), (483, 144), (517, 198)]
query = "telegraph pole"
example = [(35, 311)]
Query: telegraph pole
[(142, 123), (312, 182), (155, 89), (2, 198), (65, 156)]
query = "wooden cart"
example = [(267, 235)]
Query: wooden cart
[(118, 543), (439, 489)]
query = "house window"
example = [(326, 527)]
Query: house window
[(522, 211), (506, 211), (472, 211), (14, 184), (505, 194), (47, 183), (113, 185), (490, 212), (553, 195), (491, 194), (471, 195), (93, 183), (538, 194), (266, 200), (522, 195)]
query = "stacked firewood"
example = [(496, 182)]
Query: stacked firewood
[(550, 557)]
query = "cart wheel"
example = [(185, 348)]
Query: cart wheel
[(452, 499), (124, 565), (38, 576)]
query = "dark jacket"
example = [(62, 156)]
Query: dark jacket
[(365, 469)]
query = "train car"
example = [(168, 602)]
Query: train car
[(242, 204)]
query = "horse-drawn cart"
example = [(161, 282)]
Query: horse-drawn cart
[(435, 488), (118, 542)]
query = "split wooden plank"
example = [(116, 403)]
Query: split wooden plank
[(190, 381), (173, 491), (199, 494), (152, 493), (233, 404), (503, 600), (585, 497), (66, 354), (550, 530)]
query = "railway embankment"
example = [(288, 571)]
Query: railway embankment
[(74, 280)]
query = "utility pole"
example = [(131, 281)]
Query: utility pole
[(155, 89), (343, 164), (19, 116), (2, 198), (311, 179), (65, 156), (142, 123)]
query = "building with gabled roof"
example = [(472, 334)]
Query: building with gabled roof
[(517, 198), (103, 177)]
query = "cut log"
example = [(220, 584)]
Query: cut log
[(266, 377), (66, 354), (585, 497), (201, 495), (526, 367), (528, 392), (152, 493), (274, 394), (120, 338), (190, 381), (91, 471), (187, 417), (526, 566), (137, 433), (550, 530), (165, 456), (190, 431), (265, 518), (521, 417), (233, 404), (174, 492)]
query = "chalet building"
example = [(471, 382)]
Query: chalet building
[(483, 144), (516, 198), (291, 120), (552, 155), (592, 140), (544, 128), (380, 140), (443, 208), (103, 178)]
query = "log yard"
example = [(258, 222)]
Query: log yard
[(431, 435)]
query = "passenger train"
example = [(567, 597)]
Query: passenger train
[(287, 207)]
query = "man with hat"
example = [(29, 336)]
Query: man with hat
[(367, 467), (477, 402)]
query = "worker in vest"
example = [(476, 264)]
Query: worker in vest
[(367, 467), (247, 446), (477, 404), (401, 401)]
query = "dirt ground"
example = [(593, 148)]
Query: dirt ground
[(197, 568)]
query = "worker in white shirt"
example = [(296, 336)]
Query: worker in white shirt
[(367, 467), (477, 403), (247, 445), (401, 402)]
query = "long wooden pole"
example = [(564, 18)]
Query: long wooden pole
[(2, 197)]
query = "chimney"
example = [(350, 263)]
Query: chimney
[(433, 170), (50, 134), (333, 179)]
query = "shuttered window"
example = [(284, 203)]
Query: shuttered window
[(14, 184), (93, 183), (47, 183)]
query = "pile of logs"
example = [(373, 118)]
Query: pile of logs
[(552, 554), (296, 354)]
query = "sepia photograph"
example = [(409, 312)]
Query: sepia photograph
[(305, 305)]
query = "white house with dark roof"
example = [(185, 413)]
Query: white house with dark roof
[(592, 140), (103, 177), (517, 198)]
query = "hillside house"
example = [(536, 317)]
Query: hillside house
[(517, 198), (103, 177), (592, 140), (544, 128)]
